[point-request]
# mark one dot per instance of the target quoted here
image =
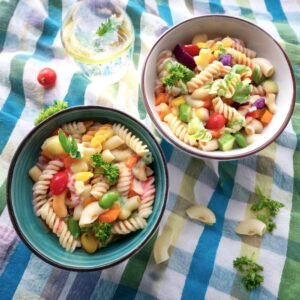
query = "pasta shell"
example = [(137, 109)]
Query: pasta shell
[(251, 227), (201, 213), (90, 213), (161, 248)]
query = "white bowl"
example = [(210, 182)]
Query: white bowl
[(256, 39)]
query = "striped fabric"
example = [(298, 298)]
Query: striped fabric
[(200, 266)]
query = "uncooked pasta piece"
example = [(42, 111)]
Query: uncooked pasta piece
[(251, 227), (201, 213)]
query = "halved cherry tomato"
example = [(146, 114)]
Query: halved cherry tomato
[(192, 50), (215, 121), (47, 77), (59, 182)]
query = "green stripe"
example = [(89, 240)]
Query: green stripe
[(135, 269), (246, 11), (2, 196), (6, 12)]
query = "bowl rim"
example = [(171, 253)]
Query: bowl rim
[(12, 213), (206, 154)]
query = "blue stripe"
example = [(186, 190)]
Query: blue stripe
[(125, 292), (164, 11), (15, 102), (275, 8), (216, 7), (76, 92), (104, 289), (13, 272), (167, 149), (84, 285), (205, 253)]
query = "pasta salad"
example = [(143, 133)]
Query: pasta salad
[(93, 184), (215, 94)]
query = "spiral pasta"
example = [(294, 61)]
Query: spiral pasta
[(207, 75), (145, 208), (179, 129), (75, 129), (40, 188), (257, 90), (240, 58), (99, 186), (130, 225), (124, 180), (229, 112), (130, 139), (248, 52), (59, 227)]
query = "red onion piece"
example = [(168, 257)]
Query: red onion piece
[(259, 103), (226, 59), (183, 57)]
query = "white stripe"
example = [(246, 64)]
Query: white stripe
[(231, 8), (68, 284), (179, 11)]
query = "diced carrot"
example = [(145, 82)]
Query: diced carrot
[(131, 161), (161, 98), (266, 117), (163, 109), (208, 104), (88, 200), (68, 161), (216, 134), (256, 114), (110, 215)]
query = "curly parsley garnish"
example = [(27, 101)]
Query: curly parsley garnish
[(57, 106), (102, 231), (109, 170), (68, 144), (177, 73), (269, 209), (250, 270)]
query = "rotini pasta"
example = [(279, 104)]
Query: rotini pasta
[(105, 188), (229, 112)]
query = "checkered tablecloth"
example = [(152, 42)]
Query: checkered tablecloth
[(200, 265)]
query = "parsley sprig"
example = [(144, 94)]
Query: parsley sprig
[(268, 207), (57, 106), (250, 270), (177, 73), (102, 231), (69, 144), (109, 170)]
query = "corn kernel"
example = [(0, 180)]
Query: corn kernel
[(83, 176), (177, 101)]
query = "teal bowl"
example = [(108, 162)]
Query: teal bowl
[(31, 228)]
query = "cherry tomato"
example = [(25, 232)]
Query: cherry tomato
[(59, 182), (192, 50), (215, 121), (47, 77)]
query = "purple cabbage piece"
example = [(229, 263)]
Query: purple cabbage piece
[(183, 57), (260, 103), (226, 59)]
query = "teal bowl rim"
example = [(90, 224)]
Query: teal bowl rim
[(19, 229)]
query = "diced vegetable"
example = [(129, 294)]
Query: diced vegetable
[(226, 142), (163, 109), (270, 86), (110, 215), (73, 227), (260, 103), (89, 242), (199, 38), (240, 139), (177, 101), (183, 57), (59, 182), (88, 200), (161, 98), (131, 161), (185, 112), (256, 114), (191, 49), (215, 122), (83, 176), (266, 117), (225, 59), (242, 92), (68, 161), (204, 58), (52, 148), (108, 199), (216, 134)]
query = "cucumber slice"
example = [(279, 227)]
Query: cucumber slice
[(270, 86), (226, 142), (185, 112), (240, 139)]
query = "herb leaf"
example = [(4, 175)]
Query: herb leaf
[(250, 270), (110, 25), (241, 93), (270, 208), (109, 170), (102, 231), (68, 144), (57, 106), (177, 73)]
